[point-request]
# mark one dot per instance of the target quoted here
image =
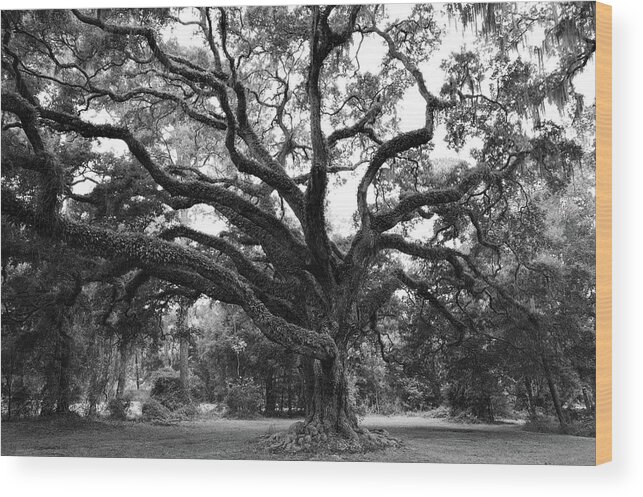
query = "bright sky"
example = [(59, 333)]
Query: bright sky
[(342, 199)]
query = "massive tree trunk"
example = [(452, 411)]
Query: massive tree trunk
[(326, 397), (330, 418)]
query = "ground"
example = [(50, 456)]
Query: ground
[(424, 440)]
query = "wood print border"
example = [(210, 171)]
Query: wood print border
[(603, 233)]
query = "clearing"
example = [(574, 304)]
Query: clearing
[(424, 440)]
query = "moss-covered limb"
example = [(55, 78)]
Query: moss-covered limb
[(123, 296), (463, 266), (269, 169), (386, 151), (359, 308), (23, 249), (287, 260), (257, 190), (150, 252), (474, 177), (266, 169), (51, 183), (28, 115), (196, 189), (432, 102), (246, 268), (369, 303), (403, 141), (323, 39), (174, 64), (387, 220), (283, 241), (224, 200), (466, 272), (191, 279), (279, 296), (262, 166), (462, 327), (361, 126), (203, 191), (423, 291), (426, 252), (216, 122)]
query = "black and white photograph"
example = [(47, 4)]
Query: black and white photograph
[(301, 233)]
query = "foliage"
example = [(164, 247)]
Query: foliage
[(244, 400), (153, 410), (117, 408), (467, 279), (167, 390), (581, 427)]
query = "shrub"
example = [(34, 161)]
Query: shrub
[(153, 410), (167, 390), (583, 427), (439, 412), (24, 403), (117, 408), (416, 395), (388, 407), (244, 399), (187, 411), (198, 390)]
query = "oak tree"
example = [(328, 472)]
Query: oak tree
[(254, 120)]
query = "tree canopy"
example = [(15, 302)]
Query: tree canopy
[(116, 131)]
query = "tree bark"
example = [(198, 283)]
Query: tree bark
[(123, 359), (281, 392), (289, 392), (93, 390), (50, 389), (102, 358), (138, 378), (64, 378), (8, 377), (270, 393), (92, 396), (530, 398), (327, 402), (555, 397), (588, 401), (330, 418), (184, 346)]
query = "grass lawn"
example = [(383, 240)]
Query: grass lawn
[(424, 440)]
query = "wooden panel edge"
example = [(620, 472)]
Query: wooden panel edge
[(603, 233)]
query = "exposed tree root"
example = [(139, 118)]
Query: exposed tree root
[(315, 438)]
